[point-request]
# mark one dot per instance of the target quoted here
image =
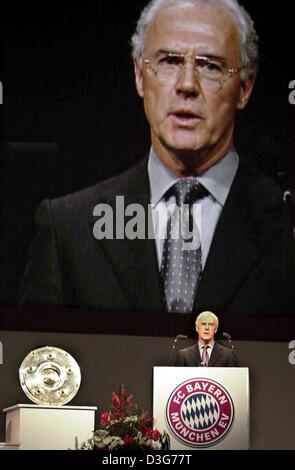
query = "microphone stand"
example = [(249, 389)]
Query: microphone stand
[(178, 337), (228, 337), (287, 197)]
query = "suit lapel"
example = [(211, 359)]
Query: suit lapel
[(194, 354), (214, 355), (135, 261), (143, 266), (247, 225)]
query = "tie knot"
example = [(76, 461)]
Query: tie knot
[(187, 191)]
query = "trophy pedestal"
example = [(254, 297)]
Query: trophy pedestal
[(37, 427), (8, 446)]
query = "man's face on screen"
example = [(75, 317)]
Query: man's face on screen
[(188, 114)]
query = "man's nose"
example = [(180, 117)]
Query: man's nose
[(188, 82)]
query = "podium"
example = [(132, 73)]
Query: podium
[(203, 407)]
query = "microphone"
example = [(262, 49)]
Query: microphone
[(180, 337), (177, 338), (287, 196), (228, 337)]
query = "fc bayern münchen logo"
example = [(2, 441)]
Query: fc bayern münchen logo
[(200, 412)]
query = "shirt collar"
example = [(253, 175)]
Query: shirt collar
[(161, 178), (217, 179), (211, 344)]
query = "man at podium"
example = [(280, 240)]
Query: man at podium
[(206, 352)]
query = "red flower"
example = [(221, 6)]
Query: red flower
[(153, 434), (116, 399), (128, 440), (105, 418), (122, 392), (129, 400)]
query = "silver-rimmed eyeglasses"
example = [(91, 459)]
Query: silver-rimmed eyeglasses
[(211, 72)]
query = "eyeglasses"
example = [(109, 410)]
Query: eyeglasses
[(211, 72), (207, 324)]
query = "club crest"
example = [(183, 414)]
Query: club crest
[(200, 412)]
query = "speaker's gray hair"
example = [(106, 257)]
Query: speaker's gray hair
[(244, 23)]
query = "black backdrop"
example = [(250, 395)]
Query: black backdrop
[(68, 80)]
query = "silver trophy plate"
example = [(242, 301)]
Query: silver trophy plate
[(50, 376)]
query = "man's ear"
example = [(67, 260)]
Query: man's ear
[(246, 91), (138, 78)]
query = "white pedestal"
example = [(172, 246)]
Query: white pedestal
[(37, 427), (8, 446)]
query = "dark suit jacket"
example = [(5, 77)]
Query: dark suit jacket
[(249, 270), (220, 357)]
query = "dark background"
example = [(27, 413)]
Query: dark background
[(68, 79), (72, 117)]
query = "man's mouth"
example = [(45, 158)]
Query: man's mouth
[(185, 118)]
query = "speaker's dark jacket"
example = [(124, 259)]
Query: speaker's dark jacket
[(220, 357), (250, 268)]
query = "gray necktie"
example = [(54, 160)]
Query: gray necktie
[(182, 256)]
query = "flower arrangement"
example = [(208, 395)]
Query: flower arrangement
[(126, 426)]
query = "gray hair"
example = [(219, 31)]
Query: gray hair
[(204, 315), (244, 23)]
